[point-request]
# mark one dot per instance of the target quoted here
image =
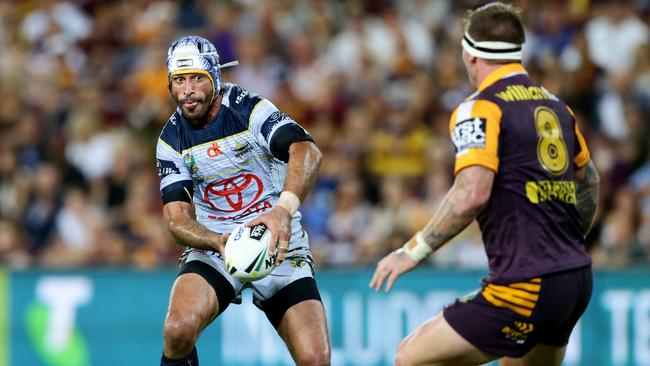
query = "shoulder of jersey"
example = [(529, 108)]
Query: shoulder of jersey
[(171, 129), (239, 99)]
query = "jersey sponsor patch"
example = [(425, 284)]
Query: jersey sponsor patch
[(166, 167), (234, 194), (242, 149), (469, 134)]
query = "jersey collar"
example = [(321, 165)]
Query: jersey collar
[(501, 73)]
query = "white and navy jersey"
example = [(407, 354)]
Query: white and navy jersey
[(234, 168)]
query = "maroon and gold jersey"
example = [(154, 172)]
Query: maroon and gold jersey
[(530, 139)]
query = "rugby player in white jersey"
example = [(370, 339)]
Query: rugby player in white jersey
[(228, 156)]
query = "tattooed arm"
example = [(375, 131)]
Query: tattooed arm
[(466, 198), (587, 189), (464, 201), (187, 231)]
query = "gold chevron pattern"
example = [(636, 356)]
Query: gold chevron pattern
[(520, 297)]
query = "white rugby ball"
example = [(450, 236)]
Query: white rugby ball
[(246, 255)]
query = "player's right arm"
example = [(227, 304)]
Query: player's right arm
[(587, 190), (176, 190), (179, 218)]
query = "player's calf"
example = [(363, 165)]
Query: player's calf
[(191, 359)]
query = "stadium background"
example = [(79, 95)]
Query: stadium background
[(86, 261)]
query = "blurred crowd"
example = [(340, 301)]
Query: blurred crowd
[(83, 97)]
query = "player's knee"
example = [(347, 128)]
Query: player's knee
[(180, 332), (401, 359), (314, 358), (402, 355)]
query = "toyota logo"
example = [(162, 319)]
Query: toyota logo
[(238, 193)]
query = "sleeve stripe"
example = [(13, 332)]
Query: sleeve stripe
[(582, 158), (486, 156), (165, 144), (250, 117), (181, 184), (259, 115), (464, 111)]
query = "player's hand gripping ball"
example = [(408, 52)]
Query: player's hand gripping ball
[(246, 255)]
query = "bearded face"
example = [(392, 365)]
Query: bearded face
[(193, 94)]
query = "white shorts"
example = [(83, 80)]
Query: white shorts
[(298, 264)]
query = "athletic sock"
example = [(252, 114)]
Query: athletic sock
[(190, 360)]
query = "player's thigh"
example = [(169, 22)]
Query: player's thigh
[(304, 330), (193, 302), (292, 303), (436, 343), (541, 355), (198, 295)]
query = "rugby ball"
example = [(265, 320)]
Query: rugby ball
[(246, 255)]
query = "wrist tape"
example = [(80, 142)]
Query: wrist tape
[(420, 250), (289, 201)]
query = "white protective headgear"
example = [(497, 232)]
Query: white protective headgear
[(196, 55)]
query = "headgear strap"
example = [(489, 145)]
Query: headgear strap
[(491, 50)]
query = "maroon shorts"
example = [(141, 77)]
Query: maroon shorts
[(510, 319)]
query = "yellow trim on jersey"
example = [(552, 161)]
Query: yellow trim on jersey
[(168, 145), (188, 193), (582, 158), (499, 73), (487, 156), (253, 112), (248, 128), (213, 141)]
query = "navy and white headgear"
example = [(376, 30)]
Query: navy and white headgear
[(196, 55)]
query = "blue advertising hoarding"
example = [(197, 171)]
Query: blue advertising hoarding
[(113, 317)]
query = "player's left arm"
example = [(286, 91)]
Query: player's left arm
[(587, 180), (587, 192), (287, 141), (302, 169), (465, 200)]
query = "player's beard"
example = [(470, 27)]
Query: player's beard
[(196, 112)]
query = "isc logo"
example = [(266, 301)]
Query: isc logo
[(469, 134), (241, 96)]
